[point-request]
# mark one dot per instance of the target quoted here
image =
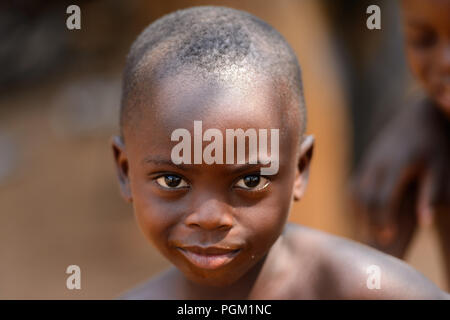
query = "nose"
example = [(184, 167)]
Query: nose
[(211, 215)]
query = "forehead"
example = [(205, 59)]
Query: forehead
[(433, 12), (177, 101)]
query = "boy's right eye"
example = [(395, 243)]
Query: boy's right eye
[(171, 181)]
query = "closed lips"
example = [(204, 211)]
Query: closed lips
[(210, 257)]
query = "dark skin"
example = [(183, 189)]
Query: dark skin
[(403, 181), (427, 35), (212, 205)]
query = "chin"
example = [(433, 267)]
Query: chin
[(212, 280), (445, 108), (443, 102)]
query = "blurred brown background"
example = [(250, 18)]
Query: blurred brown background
[(59, 100)]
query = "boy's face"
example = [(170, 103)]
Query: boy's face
[(214, 222), (427, 28)]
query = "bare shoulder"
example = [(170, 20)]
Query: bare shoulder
[(157, 288), (339, 268)]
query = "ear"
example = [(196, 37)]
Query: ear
[(121, 161), (302, 174)]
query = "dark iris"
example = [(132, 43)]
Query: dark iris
[(251, 181), (172, 181)]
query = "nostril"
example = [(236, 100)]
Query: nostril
[(209, 227), (210, 215), (224, 227), (194, 225)]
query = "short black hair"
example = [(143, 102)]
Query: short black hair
[(212, 40)]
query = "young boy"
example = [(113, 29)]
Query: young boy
[(405, 178), (222, 224)]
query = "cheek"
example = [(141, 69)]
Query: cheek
[(266, 221), (421, 64), (154, 216)]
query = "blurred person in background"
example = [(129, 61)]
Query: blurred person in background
[(403, 181)]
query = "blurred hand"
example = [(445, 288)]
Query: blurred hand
[(411, 156)]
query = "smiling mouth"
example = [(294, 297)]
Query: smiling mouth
[(208, 258)]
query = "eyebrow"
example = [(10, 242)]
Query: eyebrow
[(417, 24), (163, 161), (236, 167), (246, 166)]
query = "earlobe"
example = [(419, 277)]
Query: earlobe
[(302, 173), (121, 162)]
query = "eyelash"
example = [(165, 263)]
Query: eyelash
[(165, 175), (268, 181)]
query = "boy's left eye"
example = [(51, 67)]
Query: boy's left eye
[(171, 181), (252, 182)]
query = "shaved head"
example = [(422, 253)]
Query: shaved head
[(218, 45)]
